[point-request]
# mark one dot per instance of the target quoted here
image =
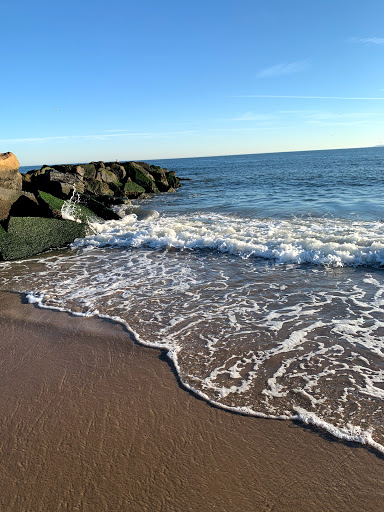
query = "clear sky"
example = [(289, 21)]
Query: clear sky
[(105, 80)]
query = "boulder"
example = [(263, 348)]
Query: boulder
[(133, 190), (26, 236), (106, 176), (141, 176), (97, 207), (27, 205), (60, 181), (99, 188), (90, 171), (98, 165), (119, 171), (80, 171), (146, 166), (9, 172), (58, 208), (173, 180), (7, 198), (160, 177), (9, 162)]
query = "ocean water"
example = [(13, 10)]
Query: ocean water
[(262, 278)]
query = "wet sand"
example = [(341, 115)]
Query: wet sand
[(90, 421)]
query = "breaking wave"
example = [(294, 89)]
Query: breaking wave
[(318, 241)]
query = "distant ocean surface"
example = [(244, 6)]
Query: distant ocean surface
[(262, 277)]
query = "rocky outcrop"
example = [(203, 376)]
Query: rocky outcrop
[(10, 178), (34, 206), (109, 182)]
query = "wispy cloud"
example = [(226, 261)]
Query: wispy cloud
[(362, 122), (253, 129), (326, 115), (102, 136), (287, 68), (117, 130), (251, 116), (326, 118), (367, 40), (307, 97)]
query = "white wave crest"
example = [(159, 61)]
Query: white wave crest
[(332, 242)]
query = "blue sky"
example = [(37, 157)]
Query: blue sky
[(125, 80)]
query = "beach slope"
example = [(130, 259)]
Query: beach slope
[(90, 421)]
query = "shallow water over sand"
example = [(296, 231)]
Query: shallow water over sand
[(281, 341), (277, 314)]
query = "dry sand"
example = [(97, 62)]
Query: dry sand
[(92, 422)]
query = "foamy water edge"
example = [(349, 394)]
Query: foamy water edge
[(303, 416)]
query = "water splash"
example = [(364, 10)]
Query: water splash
[(70, 209)]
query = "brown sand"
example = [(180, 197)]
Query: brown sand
[(92, 422)]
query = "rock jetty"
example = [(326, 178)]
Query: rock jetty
[(34, 206)]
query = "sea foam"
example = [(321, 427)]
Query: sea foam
[(330, 242)]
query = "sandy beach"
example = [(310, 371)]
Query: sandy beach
[(90, 421)]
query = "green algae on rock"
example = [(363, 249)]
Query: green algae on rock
[(27, 236)]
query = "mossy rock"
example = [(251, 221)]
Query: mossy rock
[(162, 186), (54, 203), (141, 176), (133, 190), (27, 236), (117, 187), (99, 188), (89, 171), (106, 176), (173, 180), (79, 211), (98, 208)]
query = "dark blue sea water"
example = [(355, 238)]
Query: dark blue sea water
[(343, 183), (262, 277)]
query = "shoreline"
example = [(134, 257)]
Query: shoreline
[(306, 420), (93, 421)]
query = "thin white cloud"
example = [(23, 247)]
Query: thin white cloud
[(117, 130), (251, 116), (307, 97), (283, 69), (102, 136), (367, 40), (322, 115), (253, 129), (319, 122), (326, 118)]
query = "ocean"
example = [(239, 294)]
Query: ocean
[(262, 278)]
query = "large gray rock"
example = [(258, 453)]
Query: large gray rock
[(119, 171), (106, 176), (7, 198), (60, 182), (27, 205), (10, 177), (161, 179)]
